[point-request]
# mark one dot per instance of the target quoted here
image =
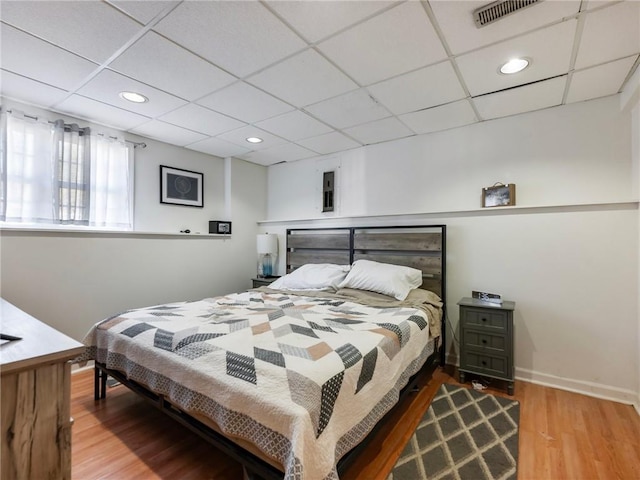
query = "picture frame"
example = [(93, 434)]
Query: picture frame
[(181, 187), (220, 227), (499, 195)]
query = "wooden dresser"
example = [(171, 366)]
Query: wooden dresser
[(35, 383)]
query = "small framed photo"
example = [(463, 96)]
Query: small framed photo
[(499, 195), (181, 187), (216, 226)]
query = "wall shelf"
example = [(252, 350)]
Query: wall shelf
[(482, 212), (106, 233)]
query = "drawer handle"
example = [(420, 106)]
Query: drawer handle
[(484, 341), (484, 362), (484, 319)]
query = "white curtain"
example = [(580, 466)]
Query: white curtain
[(73, 165), (54, 173), (111, 192), (28, 169)]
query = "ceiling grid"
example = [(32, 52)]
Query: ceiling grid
[(309, 77)]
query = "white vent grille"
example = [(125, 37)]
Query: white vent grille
[(496, 10)]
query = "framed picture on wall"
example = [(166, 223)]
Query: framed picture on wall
[(499, 195), (181, 187)]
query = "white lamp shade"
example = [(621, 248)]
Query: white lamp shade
[(267, 244)]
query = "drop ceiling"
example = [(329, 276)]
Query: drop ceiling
[(308, 77)]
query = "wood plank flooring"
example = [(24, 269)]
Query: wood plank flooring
[(563, 435)]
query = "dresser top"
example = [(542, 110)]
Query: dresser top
[(40, 343), (474, 302)]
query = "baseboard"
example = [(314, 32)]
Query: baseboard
[(606, 392), (77, 367), (598, 390)]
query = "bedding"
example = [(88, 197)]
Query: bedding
[(393, 280), (313, 276), (303, 377)]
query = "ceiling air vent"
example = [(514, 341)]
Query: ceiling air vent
[(496, 10)]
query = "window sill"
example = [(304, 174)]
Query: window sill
[(86, 231)]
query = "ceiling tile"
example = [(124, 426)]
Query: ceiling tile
[(107, 85), (593, 4), (30, 91), (379, 131), (247, 36), (350, 109), (94, 30), (282, 153), (200, 119), (457, 24), (239, 137), (294, 126), (423, 88), (329, 143), (599, 81), (218, 147), (549, 50), (394, 42), (144, 11), (245, 102), (99, 112), (28, 56), (434, 119), (619, 24), (522, 99), (317, 20), (168, 133), (303, 79), (163, 64)]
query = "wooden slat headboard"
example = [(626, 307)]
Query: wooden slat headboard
[(418, 246), (421, 246)]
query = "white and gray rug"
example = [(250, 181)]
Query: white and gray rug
[(465, 435)]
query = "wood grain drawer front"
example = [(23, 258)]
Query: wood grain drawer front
[(494, 321), (496, 366), (485, 341)]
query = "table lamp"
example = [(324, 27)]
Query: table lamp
[(267, 254)]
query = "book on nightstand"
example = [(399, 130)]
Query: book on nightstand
[(487, 297)]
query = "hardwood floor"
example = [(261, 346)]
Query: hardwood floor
[(563, 435)]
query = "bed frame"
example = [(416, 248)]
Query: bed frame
[(417, 246)]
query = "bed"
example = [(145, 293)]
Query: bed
[(291, 382)]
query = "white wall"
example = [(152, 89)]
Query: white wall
[(630, 100), (572, 271), (153, 216), (72, 280), (565, 155)]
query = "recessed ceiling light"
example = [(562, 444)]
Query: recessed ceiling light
[(254, 140), (134, 97), (514, 65)]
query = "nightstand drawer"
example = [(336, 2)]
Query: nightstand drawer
[(480, 363), (485, 319), (485, 341)]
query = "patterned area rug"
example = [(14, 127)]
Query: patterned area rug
[(464, 435)]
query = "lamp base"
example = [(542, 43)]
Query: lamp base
[(265, 266)]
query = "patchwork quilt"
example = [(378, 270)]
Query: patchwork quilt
[(303, 378)]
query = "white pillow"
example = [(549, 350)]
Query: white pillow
[(312, 276), (392, 280)]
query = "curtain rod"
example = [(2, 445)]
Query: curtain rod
[(135, 144)]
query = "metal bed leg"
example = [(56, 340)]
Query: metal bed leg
[(99, 383)]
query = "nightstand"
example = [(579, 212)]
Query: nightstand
[(263, 282), (486, 340)]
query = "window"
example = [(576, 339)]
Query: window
[(54, 173)]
